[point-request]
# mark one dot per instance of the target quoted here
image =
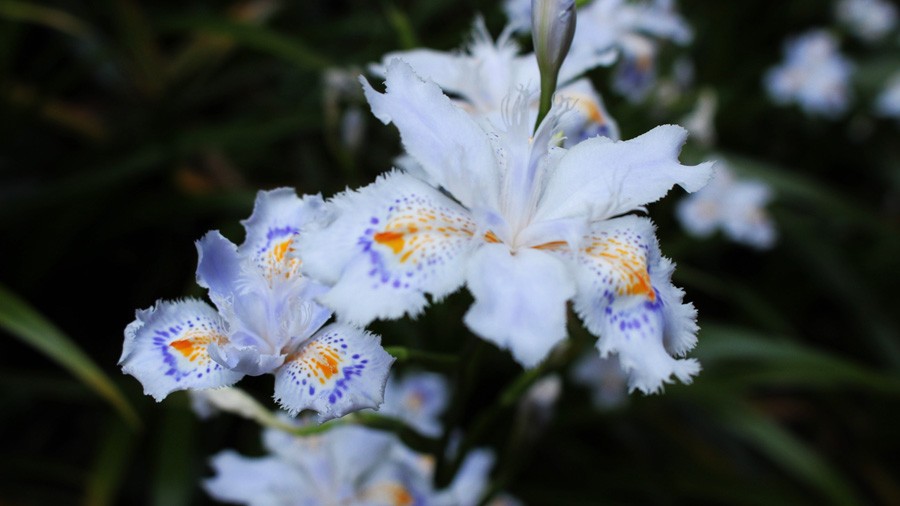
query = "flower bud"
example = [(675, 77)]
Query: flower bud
[(552, 30)]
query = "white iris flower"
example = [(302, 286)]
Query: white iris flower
[(526, 225)]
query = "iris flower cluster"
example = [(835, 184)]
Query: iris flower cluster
[(534, 206)]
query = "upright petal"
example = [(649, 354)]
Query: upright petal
[(339, 370), (218, 267), (625, 296), (166, 348), (277, 219), (389, 244), (599, 178), (520, 300), (449, 144)]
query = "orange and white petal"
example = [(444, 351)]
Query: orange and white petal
[(390, 243), (339, 370), (273, 229), (626, 297), (166, 348), (520, 300)]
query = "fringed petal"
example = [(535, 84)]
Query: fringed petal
[(389, 245), (166, 348), (626, 297), (341, 369), (599, 178)]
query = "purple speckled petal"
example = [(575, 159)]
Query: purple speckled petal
[(391, 243), (626, 297), (166, 348), (339, 370)]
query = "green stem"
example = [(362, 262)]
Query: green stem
[(548, 87), (440, 361)]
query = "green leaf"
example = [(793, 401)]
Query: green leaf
[(790, 453), (47, 16), (113, 456), (784, 361), (22, 321)]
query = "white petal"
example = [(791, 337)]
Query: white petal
[(447, 70), (247, 360), (341, 369), (390, 244), (625, 296), (599, 178), (166, 348), (520, 300), (449, 144)]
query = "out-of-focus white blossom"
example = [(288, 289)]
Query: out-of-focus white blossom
[(736, 206), (870, 20), (604, 377), (346, 465), (419, 399), (814, 75), (701, 121), (888, 102)]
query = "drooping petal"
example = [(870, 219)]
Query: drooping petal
[(625, 296), (339, 370), (599, 178), (520, 300), (166, 348), (451, 147), (272, 230), (390, 244)]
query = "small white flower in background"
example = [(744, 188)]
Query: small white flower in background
[(346, 465), (532, 226), (635, 29), (538, 406), (603, 377), (813, 75), (266, 321), (737, 206), (870, 20), (485, 75), (701, 121), (888, 101), (341, 101), (419, 399)]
